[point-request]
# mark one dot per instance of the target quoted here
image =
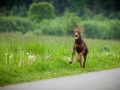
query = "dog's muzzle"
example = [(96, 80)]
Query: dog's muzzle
[(76, 36)]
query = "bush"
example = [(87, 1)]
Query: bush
[(99, 17), (115, 29), (15, 24), (87, 15), (109, 29), (59, 26), (50, 27), (71, 20), (92, 30), (18, 10), (40, 11)]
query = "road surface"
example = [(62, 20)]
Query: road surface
[(102, 80)]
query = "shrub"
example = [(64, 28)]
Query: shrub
[(99, 17), (96, 29), (15, 24), (108, 29), (50, 27), (18, 10), (115, 29), (91, 30), (60, 26), (40, 11), (70, 19)]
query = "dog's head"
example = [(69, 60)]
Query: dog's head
[(77, 31)]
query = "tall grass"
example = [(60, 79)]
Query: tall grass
[(26, 58)]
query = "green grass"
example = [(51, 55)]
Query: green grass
[(29, 58)]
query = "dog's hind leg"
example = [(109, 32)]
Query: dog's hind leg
[(84, 60), (79, 59)]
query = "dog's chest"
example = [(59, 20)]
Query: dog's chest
[(79, 48)]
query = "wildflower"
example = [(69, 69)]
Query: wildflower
[(31, 57), (66, 58), (20, 63), (11, 56), (46, 57), (107, 53), (27, 53), (6, 54)]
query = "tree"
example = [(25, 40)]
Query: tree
[(40, 11), (71, 20), (115, 29), (18, 11)]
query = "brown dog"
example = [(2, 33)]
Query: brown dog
[(79, 46)]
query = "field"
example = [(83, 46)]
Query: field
[(28, 58)]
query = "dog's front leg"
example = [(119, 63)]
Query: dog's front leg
[(73, 53), (79, 59)]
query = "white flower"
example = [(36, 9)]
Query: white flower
[(66, 58), (46, 57), (30, 57), (27, 53), (11, 56)]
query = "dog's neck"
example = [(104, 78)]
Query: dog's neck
[(79, 40)]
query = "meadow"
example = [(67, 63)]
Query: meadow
[(27, 58)]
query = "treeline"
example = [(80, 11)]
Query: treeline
[(99, 18), (106, 29), (83, 8)]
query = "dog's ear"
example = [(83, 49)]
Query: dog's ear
[(80, 29), (76, 27)]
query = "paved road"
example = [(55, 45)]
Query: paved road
[(102, 80)]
